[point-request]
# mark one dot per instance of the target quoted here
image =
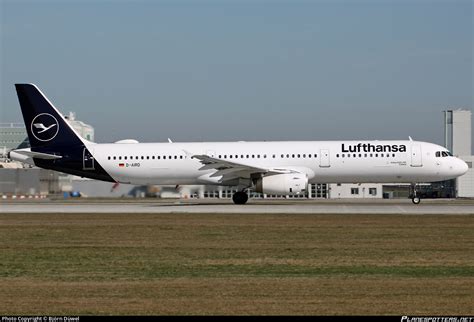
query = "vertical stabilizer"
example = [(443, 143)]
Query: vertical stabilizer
[(46, 127)]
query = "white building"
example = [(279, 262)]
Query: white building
[(360, 190), (458, 139), (84, 130), (465, 184)]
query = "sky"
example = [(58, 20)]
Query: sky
[(243, 70)]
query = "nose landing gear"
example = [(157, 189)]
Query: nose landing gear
[(414, 197)]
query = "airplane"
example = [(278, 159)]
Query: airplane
[(282, 167)]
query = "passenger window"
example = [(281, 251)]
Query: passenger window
[(181, 157), (337, 155), (304, 155), (108, 158), (158, 157), (114, 158), (315, 155), (148, 157)]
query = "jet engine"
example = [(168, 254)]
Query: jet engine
[(283, 184)]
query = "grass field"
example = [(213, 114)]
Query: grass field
[(236, 264)]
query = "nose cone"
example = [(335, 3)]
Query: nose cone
[(461, 167)]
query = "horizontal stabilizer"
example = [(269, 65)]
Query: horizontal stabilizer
[(38, 155)]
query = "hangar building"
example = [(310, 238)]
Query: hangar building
[(458, 139)]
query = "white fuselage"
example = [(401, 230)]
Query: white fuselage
[(321, 161), (267, 167)]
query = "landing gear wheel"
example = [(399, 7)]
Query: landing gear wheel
[(414, 195), (240, 198)]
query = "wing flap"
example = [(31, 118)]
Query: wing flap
[(229, 170)]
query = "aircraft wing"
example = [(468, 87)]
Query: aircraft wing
[(231, 170)]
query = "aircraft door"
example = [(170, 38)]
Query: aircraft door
[(416, 159), (88, 160), (324, 161)]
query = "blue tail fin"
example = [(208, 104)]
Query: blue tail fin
[(46, 127), (51, 136)]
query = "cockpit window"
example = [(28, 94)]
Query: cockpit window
[(443, 154)]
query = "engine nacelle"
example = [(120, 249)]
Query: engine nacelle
[(283, 184)]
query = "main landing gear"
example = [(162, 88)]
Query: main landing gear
[(240, 197), (414, 197)]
